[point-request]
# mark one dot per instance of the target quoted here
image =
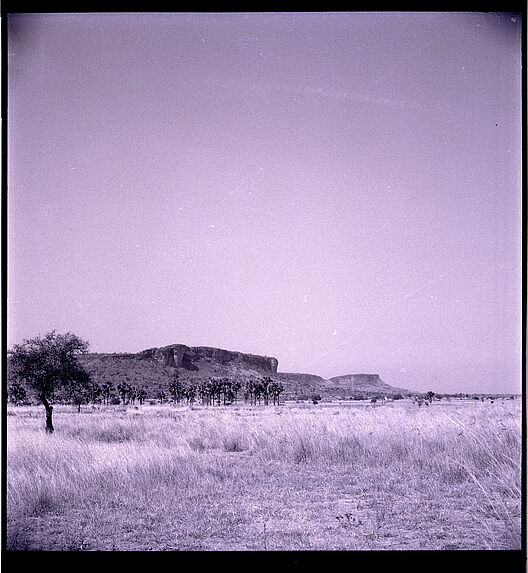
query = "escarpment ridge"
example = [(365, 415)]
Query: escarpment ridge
[(154, 368)]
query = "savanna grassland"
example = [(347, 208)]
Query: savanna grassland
[(289, 477)]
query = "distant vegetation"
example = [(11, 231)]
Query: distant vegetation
[(123, 379)]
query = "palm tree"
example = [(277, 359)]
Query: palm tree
[(123, 389), (107, 389)]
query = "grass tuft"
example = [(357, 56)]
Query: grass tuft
[(166, 478)]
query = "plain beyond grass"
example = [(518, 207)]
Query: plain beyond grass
[(294, 477)]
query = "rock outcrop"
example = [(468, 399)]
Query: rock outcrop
[(190, 357)]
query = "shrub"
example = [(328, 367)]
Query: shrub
[(234, 443)]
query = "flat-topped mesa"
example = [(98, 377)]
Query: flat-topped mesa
[(357, 379), (181, 356), (363, 383)]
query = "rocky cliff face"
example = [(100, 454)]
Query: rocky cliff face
[(190, 357)]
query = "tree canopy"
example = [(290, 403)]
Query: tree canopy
[(47, 363)]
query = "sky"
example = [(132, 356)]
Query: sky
[(341, 191)]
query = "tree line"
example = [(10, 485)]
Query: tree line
[(223, 391)]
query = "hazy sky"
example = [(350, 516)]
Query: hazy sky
[(341, 191)]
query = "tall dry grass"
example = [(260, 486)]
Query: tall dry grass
[(199, 473)]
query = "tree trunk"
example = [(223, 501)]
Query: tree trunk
[(49, 414)]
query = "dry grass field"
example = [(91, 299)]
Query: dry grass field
[(292, 477)]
